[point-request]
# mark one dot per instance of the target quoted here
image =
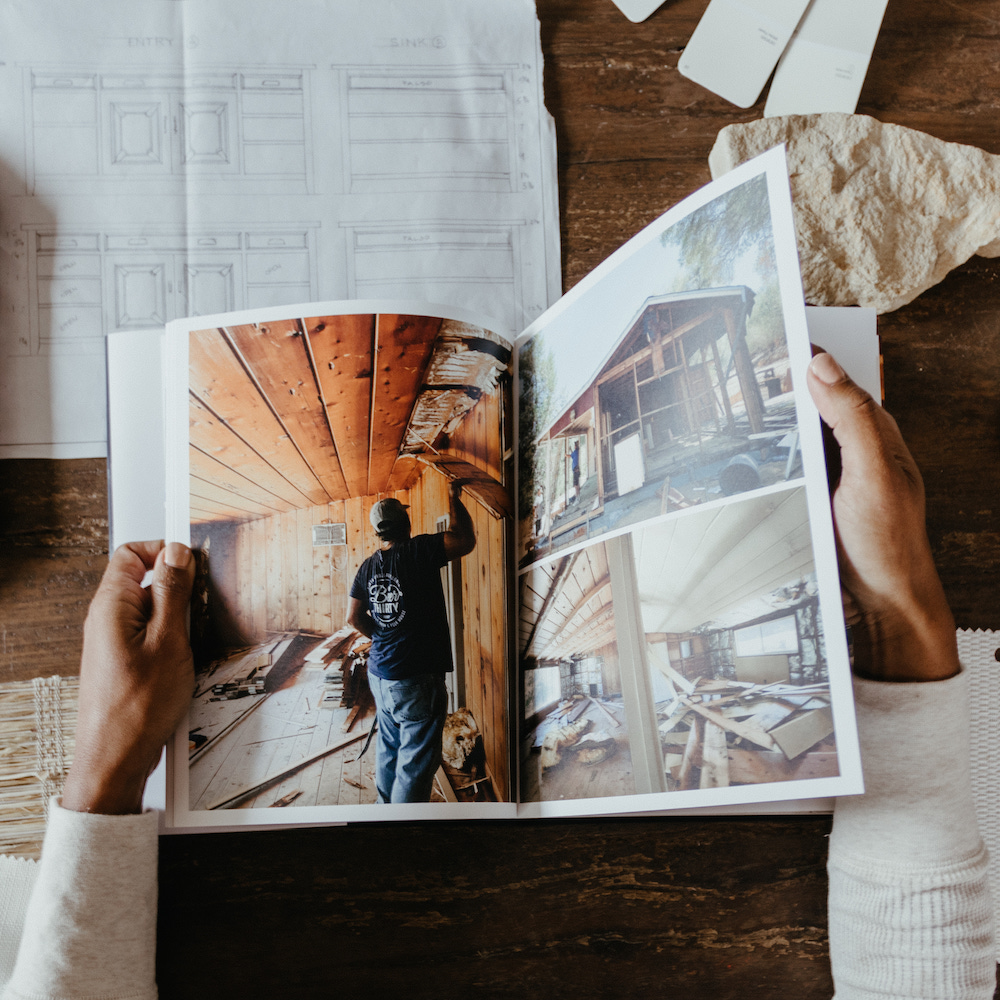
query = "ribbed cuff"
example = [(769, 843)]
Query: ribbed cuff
[(90, 929), (918, 806)]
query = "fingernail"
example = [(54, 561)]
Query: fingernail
[(824, 366), (177, 555)]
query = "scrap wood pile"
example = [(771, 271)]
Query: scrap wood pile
[(343, 658), (716, 733), (260, 671), (572, 733), (238, 675)]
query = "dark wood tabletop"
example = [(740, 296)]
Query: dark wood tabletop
[(590, 908)]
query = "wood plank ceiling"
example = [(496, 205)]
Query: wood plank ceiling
[(721, 565), (304, 411)]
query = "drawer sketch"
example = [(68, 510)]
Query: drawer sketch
[(475, 266), (130, 132), (429, 129), (84, 284)]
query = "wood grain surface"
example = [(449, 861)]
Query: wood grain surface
[(626, 907)]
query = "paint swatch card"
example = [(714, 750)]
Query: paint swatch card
[(824, 66), (737, 44)]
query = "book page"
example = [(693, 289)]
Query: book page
[(137, 463), (680, 634), (286, 431), (167, 159)]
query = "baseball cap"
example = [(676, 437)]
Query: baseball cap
[(385, 513)]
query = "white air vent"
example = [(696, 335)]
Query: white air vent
[(329, 534)]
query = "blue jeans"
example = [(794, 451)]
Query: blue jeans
[(410, 716)]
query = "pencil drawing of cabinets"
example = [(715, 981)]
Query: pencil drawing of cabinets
[(139, 131), (429, 128), (83, 284), (472, 265)]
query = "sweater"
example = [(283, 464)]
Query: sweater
[(85, 915), (910, 914)]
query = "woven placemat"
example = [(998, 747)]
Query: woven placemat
[(37, 727)]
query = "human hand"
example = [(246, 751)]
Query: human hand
[(136, 676), (902, 626)]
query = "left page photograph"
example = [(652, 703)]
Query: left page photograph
[(330, 465)]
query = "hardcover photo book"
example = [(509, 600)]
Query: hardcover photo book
[(650, 618)]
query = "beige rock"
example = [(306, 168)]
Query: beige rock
[(882, 212)]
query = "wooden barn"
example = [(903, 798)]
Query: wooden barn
[(686, 654), (296, 429), (663, 401)]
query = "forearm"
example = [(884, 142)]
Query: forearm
[(910, 910), (362, 622), (461, 531), (90, 929), (919, 646), (461, 519)]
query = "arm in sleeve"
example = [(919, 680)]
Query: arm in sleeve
[(90, 926), (17, 879), (910, 913)]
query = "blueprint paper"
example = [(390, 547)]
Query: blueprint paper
[(166, 159)]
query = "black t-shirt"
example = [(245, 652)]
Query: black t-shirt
[(400, 587)]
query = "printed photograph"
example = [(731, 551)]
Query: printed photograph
[(686, 655), (631, 407), (350, 508)]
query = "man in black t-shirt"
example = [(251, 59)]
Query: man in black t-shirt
[(397, 600)]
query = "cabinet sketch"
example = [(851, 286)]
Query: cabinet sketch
[(83, 284), (90, 130), (160, 160), (420, 129), (475, 265)]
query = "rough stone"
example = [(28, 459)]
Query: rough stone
[(882, 212)]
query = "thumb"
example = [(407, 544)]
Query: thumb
[(173, 579), (850, 412), (871, 446)]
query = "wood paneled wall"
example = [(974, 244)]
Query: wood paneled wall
[(279, 581)]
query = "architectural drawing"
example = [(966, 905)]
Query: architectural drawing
[(476, 265), (89, 129), (414, 129), (83, 284), (160, 160)]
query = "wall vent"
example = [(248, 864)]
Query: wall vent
[(329, 534)]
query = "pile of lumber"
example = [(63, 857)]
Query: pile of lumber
[(343, 658), (250, 682), (717, 733)]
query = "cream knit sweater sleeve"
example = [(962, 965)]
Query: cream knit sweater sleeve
[(90, 925), (910, 913)]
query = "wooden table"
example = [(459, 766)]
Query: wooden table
[(701, 908)]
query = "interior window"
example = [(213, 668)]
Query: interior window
[(769, 638)]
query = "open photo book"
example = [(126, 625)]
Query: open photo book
[(650, 618)]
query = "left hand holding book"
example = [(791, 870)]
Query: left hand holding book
[(136, 676)]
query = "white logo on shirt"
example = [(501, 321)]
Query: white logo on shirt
[(385, 598)]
